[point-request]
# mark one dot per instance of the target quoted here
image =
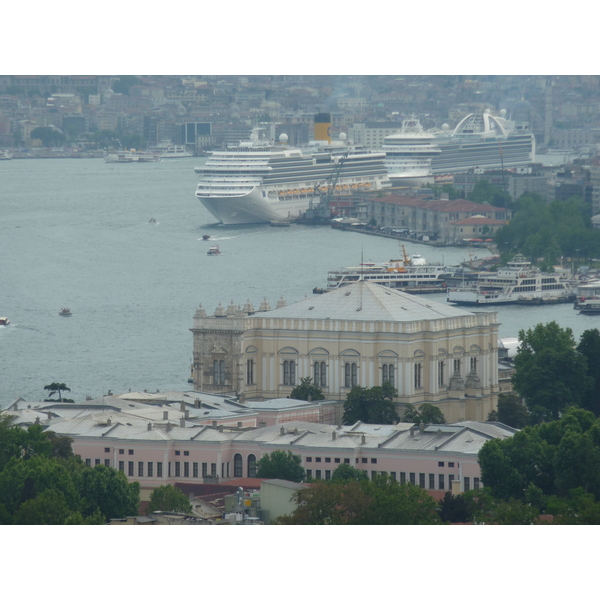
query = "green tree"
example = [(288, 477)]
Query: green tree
[(47, 508), (108, 490), (486, 193), (589, 346), (427, 413), (122, 85), (346, 472), (511, 411), (170, 499), (57, 388), (490, 510), (549, 372), (281, 465), (371, 405), (307, 391), (49, 136), (456, 509)]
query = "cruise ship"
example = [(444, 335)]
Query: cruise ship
[(409, 154), (485, 141), (518, 283), (408, 274), (262, 181)]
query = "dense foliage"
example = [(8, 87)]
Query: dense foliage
[(550, 232), (552, 466), (427, 413), (371, 405), (43, 483), (307, 390), (550, 374), (382, 501), (169, 498), (281, 465), (511, 411)]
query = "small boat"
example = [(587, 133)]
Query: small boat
[(213, 251), (4, 321), (206, 237), (152, 221), (589, 306), (65, 312)]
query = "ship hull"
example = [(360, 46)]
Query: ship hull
[(254, 207)]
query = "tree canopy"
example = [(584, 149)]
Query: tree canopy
[(169, 498), (307, 390), (371, 405), (511, 411), (549, 372), (280, 464), (427, 413), (49, 136), (382, 501)]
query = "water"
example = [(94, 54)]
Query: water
[(76, 233)]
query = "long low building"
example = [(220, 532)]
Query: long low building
[(166, 443)]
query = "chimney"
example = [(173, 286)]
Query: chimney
[(149, 426), (37, 420), (412, 432), (182, 406), (456, 487), (333, 435), (214, 423), (197, 404), (281, 430), (240, 425), (165, 415), (363, 439), (109, 422), (186, 414), (168, 428), (181, 422), (421, 427), (220, 428)]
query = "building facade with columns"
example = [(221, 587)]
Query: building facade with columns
[(363, 334)]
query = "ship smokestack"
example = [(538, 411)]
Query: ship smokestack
[(323, 127)]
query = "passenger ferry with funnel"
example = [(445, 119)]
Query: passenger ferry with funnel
[(261, 181), (518, 282), (408, 274)]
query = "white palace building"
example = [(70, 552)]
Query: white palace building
[(363, 334)]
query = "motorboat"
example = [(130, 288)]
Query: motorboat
[(65, 312), (4, 321), (213, 251)]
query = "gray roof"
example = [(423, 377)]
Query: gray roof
[(366, 301)]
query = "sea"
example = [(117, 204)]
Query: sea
[(121, 246)]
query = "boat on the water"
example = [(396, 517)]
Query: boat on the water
[(518, 283), (130, 156), (408, 274), (5, 155), (65, 312), (167, 149), (213, 251), (261, 181), (4, 321), (589, 306), (206, 237)]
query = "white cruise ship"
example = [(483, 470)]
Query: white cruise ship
[(261, 181), (409, 154), (408, 274), (485, 141), (518, 282)]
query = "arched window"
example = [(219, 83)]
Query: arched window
[(238, 466), (319, 374), (251, 465), (289, 372), (219, 372), (419, 356), (387, 374), (442, 356)]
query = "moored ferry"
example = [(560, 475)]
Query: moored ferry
[(408, 274), (518, 282), (260, 181), (130, 156)]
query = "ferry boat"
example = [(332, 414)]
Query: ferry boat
[(589, 306), (213, 251), (167, 149), (409, 154), (483, 140), (5, 155), (130, 156), (4, 321), (408, 274), (260, 181), (518, 282)]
